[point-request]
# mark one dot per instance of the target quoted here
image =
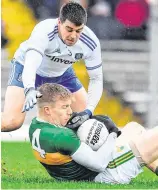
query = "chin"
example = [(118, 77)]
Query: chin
[(63, 124), (70, 44)]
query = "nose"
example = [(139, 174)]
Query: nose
[(73, 35), (69, 111)]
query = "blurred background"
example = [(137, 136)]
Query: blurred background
[(128, 33)]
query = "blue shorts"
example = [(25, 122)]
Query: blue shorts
[(68, 79)]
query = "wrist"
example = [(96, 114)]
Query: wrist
[(88, 112)]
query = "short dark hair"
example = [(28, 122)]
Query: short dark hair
[(51, 93), (73, 12)]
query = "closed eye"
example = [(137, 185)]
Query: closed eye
[(69, 29), (65, 106), (78, 31)]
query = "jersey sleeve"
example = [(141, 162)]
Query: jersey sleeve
[(38, 40), (93, 60), (93, 64), (66, 142)]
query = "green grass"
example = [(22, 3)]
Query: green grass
[(20, 170)]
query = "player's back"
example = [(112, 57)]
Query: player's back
[(52, 146), (38, 39)]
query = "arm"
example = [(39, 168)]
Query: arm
[(95, 88), (95, 160), (33, 60), (37, 44), (94, 69), (68, 143)]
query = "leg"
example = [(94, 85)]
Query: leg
[(153, 166), (134, 131), (147, 145), (12, 118), (80, 100), (129, 169), (129, 132), (70, 81)]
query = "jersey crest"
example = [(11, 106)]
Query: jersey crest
[(78, 56)]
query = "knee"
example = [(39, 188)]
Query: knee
[(11, 123), (137, 127), (79, 102), (78, 106)]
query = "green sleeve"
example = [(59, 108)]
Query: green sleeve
[(66, 142)]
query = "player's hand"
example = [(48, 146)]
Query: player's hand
[(78, 118), (31, 98), (107, 121)]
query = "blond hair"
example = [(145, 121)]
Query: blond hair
[(52, 92)]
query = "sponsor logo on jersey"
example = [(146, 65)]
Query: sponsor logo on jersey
[(78, 55), (59, 60)]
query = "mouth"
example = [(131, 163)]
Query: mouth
[(71, 41), (66, 120)]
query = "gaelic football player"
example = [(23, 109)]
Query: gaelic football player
[(47, 57), (65, 157)]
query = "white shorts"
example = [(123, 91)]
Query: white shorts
[(122, 168)]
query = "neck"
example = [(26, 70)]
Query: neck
[(47, 119), (43, 118), (59, 34)]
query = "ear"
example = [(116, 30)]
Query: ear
[(59, 22), (47, 110)]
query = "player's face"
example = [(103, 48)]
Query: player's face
[(61, 112), (69, 32)]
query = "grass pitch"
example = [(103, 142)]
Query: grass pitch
[(20, 170)]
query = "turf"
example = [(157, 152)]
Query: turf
[(21, 171)]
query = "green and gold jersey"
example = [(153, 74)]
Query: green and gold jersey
[(53, 146)]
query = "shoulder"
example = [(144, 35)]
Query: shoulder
[(47, 23), (89, 38), (65, 133), (48, 27), (58, 133), (63, 139), (52, 131), (66, 136)]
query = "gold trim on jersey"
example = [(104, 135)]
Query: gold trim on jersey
[(121, 159), (52, 158)]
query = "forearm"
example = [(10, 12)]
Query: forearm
[(33, 60), (95, 160), (95, 88)]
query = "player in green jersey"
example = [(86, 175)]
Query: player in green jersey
[(65, 157), (55, 146)]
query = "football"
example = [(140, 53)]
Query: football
[(93, 133)]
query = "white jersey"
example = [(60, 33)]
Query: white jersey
[(57, 56)]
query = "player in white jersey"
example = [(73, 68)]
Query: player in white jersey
[(47, 56)]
